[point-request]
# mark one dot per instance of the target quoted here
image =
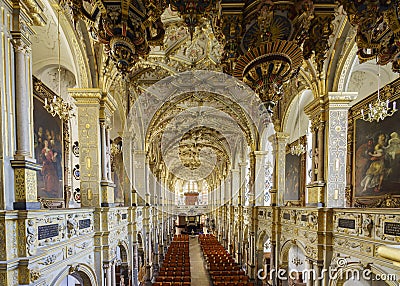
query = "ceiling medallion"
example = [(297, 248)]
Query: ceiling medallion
[(271, 52), (192, 11), (377, 30), (126, 29), (266, 67)]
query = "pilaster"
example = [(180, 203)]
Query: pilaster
[(337, 107), (94, 110), (279, 140)]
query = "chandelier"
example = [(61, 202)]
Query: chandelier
[(296, 261), (266, 67), (298, 149), (379, 109), (59, 107), (125, 28)]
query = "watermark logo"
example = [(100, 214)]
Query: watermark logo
[(342, 270)]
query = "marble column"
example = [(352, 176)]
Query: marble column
[(235, 186), (139, 163), (252, 257), (317, 270), (242, 183), (104, 159), (113, 274), (107, 274), (107, 108), (25, 179), (108, 154), (308, 274), (336, 136), (259, 184)]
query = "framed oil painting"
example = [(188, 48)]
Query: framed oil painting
[(294, 177), (49, 149), (376, 157)]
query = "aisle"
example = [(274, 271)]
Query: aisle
[(198, 272)]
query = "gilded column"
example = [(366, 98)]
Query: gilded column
[(316, 189), (280, 142), (336, 132)]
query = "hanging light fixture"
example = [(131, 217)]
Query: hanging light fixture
[(57, 106), (126, 28), (379, 109), (296, 260), (192, 11), (298, 149)]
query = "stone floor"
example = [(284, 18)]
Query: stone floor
[(198, 272)]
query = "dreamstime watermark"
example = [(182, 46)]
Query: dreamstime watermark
[(332, 273)]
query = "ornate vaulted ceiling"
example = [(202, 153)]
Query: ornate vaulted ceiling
[(278, 48)]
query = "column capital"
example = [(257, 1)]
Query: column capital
[(85, 96), (340, 99), (279, 137), (282, 136), (260, 153), (107, 107)]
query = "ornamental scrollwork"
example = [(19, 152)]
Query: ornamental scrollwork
[(31, 234)]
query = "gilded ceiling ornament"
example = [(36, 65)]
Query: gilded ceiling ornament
[(278, 35), (378, 30), (127, 29), (192, 11)]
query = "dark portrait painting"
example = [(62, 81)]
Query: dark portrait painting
[(292, 175), (377, 157), (48, 152)]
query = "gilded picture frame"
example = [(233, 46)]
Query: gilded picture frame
[(374, 154), (295, 176), (50, 148)]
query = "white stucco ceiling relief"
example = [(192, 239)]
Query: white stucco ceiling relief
[(191, 125)]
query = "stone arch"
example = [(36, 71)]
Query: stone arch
[(140, 249), (124, 249), (122, 269), (262, 237), (82, 272), (301, 99), (284, 252)]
